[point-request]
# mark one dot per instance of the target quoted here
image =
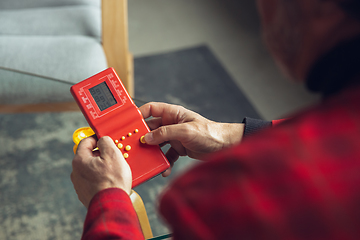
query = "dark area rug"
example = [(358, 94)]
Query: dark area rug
[(195, 79), (36, 194)]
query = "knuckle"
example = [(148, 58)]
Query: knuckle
[(188, 129), (162, 132), (181, 108), (83, 141), (150, 105), (105, 139), (77, 161), (189, 132)]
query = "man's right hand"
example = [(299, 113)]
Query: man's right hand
[(94, 171), (187, 132)]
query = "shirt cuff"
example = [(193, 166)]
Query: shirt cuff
[(254, 125)]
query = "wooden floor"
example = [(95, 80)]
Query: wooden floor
[(42, 107)]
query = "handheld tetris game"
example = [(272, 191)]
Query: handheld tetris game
[(110, 111)]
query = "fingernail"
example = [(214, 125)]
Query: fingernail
[(149, 137)]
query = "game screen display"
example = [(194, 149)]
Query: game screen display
[(102, 96)]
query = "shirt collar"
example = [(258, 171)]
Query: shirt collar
[(336, 70)]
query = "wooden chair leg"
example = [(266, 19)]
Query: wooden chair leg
[(141, 213)]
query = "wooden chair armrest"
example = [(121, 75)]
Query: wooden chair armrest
[(141, 213), (115, 40)]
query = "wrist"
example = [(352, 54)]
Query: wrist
[(232, 134), (236, 133)]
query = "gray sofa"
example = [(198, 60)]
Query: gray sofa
[(57, 39)]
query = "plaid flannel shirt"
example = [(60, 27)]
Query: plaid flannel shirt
[(298, 180)]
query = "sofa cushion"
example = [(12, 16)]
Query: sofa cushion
[(19, 88), (18, 4), (57, 57), (68, 58), (67, 20), (58, 39)]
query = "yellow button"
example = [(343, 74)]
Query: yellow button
[(123, 138), (126, 155), (142, 139), (128, 148), (120, 145), (116, 141), (136, 130), (129, 134)]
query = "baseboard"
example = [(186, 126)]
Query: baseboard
[(40, 107)]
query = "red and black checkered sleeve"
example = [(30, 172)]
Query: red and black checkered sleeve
[(111, 216)]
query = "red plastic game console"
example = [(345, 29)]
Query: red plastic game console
[(110, 111)]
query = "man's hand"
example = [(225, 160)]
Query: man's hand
[(94, 171), (187, 132)]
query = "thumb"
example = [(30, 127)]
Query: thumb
[(179, 132), (108, 148), (86, 146)]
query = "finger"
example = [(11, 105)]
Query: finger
[(154, 123), (108, 149), (168, 112), (72, 177), (146, 109), (172, 156), (167, 172), (179, 132), (163, 144), (86, 146), (178, 147)]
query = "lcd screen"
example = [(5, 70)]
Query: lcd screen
[(102, 96)]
